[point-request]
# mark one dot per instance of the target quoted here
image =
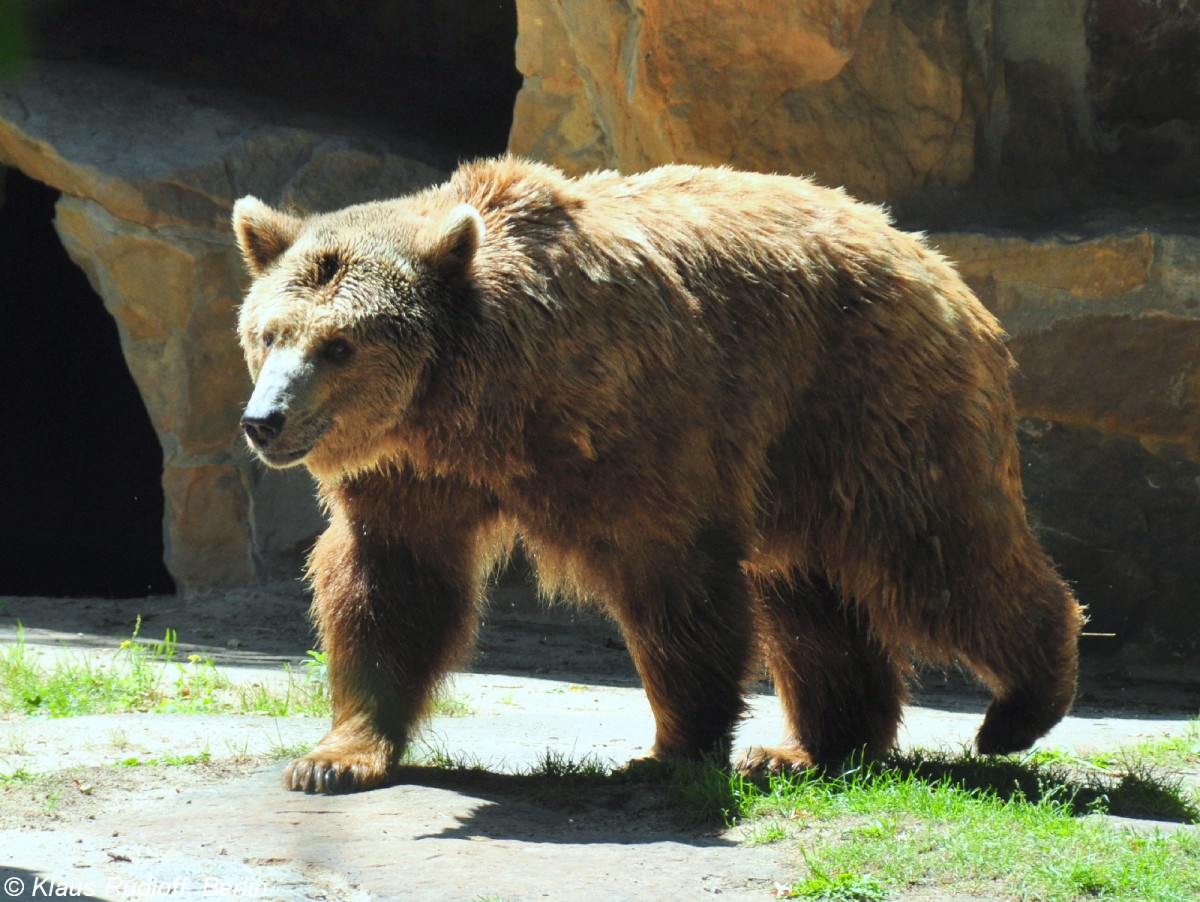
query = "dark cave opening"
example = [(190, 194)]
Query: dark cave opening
[(83, 503)]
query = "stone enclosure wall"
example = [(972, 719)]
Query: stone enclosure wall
[(1051, 148)]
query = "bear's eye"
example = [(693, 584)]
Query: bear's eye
[(328, 266), (337, 350)]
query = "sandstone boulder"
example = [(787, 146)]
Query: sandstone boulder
[(875, 96)]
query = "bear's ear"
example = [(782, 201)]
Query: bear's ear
[(449, 244), (262, 232)]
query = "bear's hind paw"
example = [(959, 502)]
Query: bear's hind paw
[(773, 759), (1016, 723)]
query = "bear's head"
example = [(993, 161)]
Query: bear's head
[(344, 317)]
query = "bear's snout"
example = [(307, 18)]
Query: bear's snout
[(263, 430), (281, 421)]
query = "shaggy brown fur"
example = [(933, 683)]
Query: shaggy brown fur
[(739, 411)]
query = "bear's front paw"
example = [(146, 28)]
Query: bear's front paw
[(773, 759), (339, 766)]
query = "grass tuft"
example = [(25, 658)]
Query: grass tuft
[(976, 825), (556, 765)]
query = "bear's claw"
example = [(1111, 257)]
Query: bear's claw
[(341, 764), (331, 778)]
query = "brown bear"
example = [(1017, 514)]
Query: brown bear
[(743, 413)]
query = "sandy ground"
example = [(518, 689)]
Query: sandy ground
[(558, 680)]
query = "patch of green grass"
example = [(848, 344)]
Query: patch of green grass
[(79, 686), (304, 698), (151, 676), (145, 676), (1021, 828), (1177, 751), (974, 825)]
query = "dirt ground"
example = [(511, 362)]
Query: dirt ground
[(542, 679)]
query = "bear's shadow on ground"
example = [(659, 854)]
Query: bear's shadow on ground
[(568, 810)]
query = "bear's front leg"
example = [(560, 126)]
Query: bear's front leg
[(396, 592)]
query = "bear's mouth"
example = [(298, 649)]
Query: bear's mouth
[(281, 459), (286, 447)]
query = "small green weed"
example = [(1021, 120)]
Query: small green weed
[(842, 886), (448, 705), (770, 830), (316, 666), (281, 750), (17, 777), (203, 757)]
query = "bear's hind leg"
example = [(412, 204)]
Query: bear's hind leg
[(841, 690), (688, 627), (1025, 646)]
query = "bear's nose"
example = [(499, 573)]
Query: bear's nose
[(263, 430)]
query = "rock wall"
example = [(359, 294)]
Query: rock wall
[(1052, 149), (149, 174)]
